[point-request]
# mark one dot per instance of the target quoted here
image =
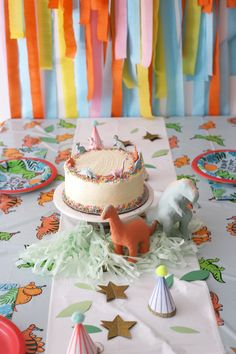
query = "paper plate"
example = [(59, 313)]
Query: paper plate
[(11, 339), (25, 174), (217, 165), (65, 209)]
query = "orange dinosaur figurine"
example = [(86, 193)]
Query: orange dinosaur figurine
[(130, 234)]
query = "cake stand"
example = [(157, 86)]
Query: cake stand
[(72, 213)]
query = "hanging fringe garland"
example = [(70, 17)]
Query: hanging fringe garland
[(143, 69), (13, 70), (45, 35)]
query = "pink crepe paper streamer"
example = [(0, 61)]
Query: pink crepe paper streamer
[(95, 108), (120, 29), (146, 32)]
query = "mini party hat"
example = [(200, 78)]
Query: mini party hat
[(161, 302), (95, 140), (81, 342)]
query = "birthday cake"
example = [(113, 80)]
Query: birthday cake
[(99, 176)]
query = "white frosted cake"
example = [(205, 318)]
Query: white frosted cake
[(99, 177)]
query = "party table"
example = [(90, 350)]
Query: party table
[(22, 224)]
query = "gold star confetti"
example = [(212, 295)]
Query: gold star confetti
[(118, 327), (151, 137), (113, 291)]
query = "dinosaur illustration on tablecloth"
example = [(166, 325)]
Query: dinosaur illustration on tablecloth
[(214, 269), (6, 236), (8, 202), (217, 308), (33, 343), (231, 227), (20, 295), (49, 225)]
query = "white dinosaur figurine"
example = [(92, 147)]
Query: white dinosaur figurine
[(174, 206), (118, 143)]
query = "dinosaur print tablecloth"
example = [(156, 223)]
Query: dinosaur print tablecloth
[(28, 218)]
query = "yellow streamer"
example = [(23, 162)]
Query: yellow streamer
[(67, 69), (16, 19), (191, 36), (45, 34), (160, 64), (127, 79), (143, 91)]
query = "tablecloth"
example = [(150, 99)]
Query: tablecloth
[(188, 137)]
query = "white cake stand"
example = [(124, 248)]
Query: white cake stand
[(65, 209)]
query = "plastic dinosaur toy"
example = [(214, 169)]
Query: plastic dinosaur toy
[(119, 172), (118, 143), (80, 149), (131, 234), (174, 206), (87, 172)]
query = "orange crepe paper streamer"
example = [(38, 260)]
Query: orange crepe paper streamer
[(214, 91), (89, 61), (33, 58), (117, 72), (44, 35), (12, 69), (206, 5), (84, 12), (94, 5), (68, 29), (231, 3), (103, 19), (53, 4)]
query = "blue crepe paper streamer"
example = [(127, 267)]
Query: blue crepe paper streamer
[(134, 30), (26, 103), (50, 89), (224, 78), (80, 67), (130, 102), (209, 45), (107, 84), (175, 99), (232, 39)]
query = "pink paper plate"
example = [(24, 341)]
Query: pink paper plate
[(11, 339)]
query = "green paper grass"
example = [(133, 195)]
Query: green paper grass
[(86, 253)]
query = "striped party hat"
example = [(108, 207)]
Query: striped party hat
[(81, 342), (161, 302)]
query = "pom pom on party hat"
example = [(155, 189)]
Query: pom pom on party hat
[(161, 302), (81, 342)]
